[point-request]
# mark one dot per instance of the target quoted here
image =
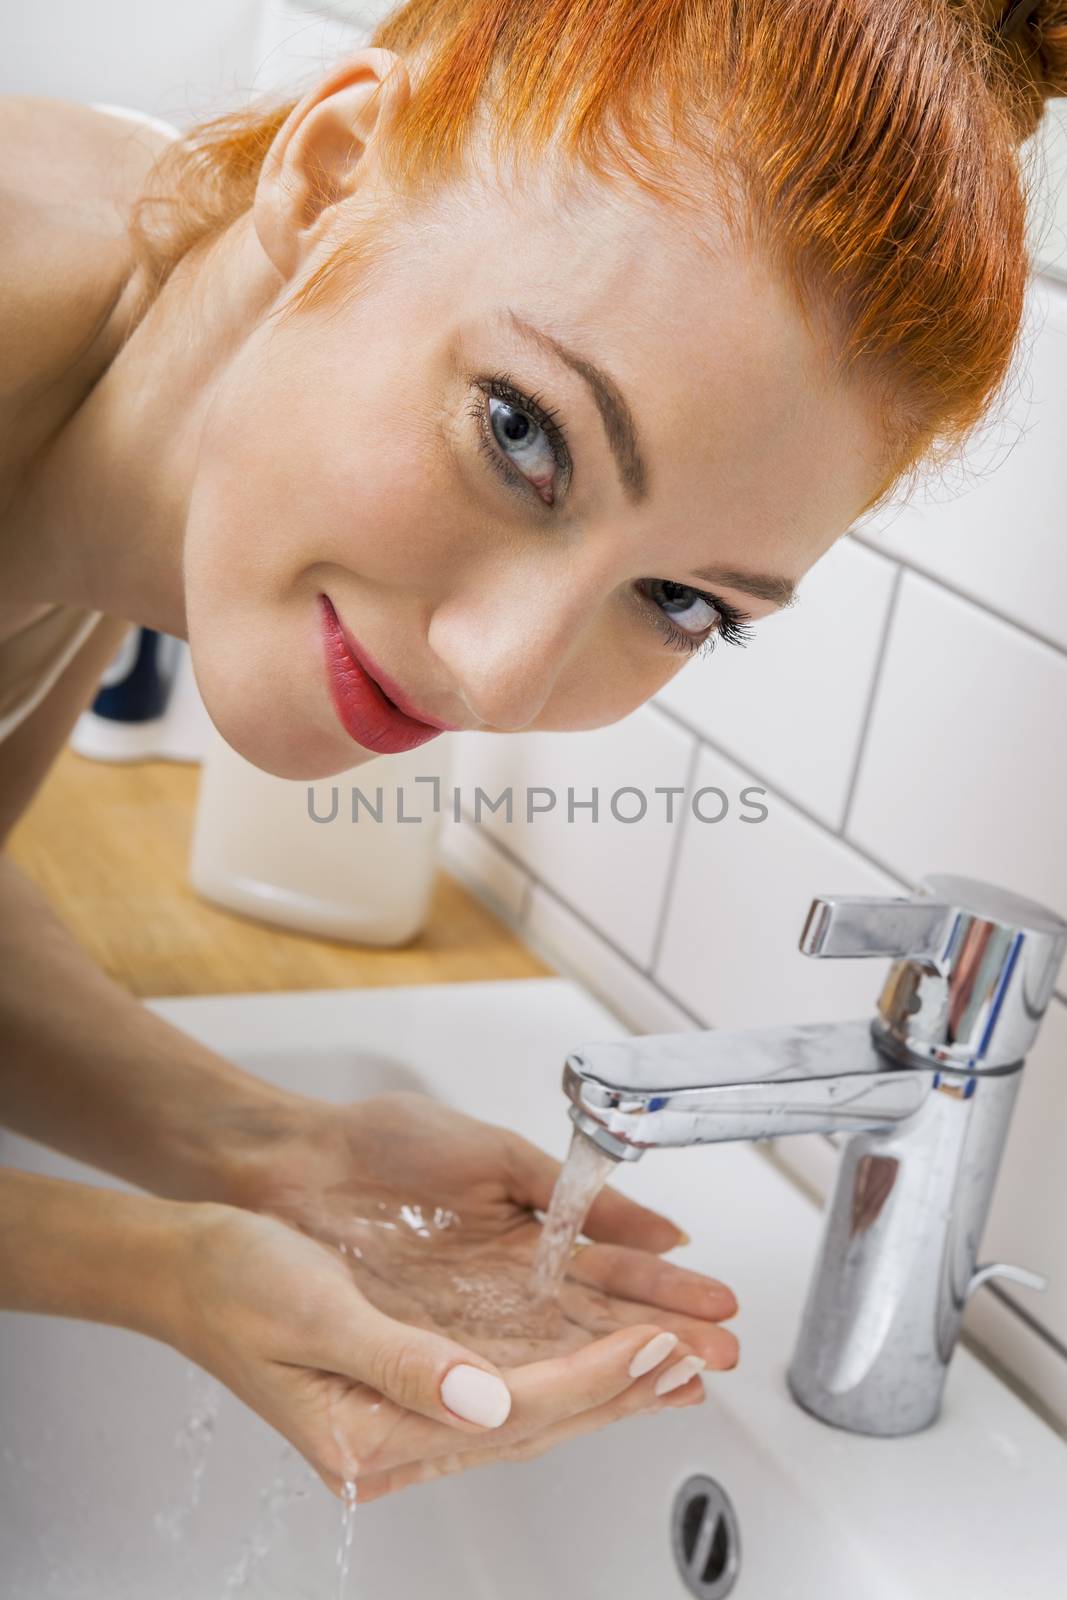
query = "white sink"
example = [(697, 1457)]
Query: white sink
[(972, 1509)]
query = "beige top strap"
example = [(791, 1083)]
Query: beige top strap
[(33, 657)]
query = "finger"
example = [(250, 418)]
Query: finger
[(718, 1346), (611, 1217), (634, 1402), (636, 1275), (419, 1371), (550, 1391), (544, 1393)]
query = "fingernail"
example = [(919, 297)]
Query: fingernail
[(476, 1396), (651, 1354), (680, 1373), (683, 1237)]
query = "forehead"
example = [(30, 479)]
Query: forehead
[(742, 423)]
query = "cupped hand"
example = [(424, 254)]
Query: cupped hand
[(278, 1318), (434, 1214)]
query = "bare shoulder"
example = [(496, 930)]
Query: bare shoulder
[(67, 176)]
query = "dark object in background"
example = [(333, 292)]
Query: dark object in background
[(147, 706), (136, 686)]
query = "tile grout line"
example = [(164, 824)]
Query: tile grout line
[(467, 873), (1036, 1327), (911, 565), (540, 883), (534, 882), (672, 870), (704, 742), (872, 694), (779, 792)]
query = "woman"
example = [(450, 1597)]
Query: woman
[(530, 352)]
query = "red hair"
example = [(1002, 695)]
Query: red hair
[(869, 149)]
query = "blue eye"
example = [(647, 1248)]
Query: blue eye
[(522, 440), (689, 608), (704, 617), (527, 447)]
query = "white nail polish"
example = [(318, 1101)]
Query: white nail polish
[(680, 1373), (476, 1396), (651, 1354)]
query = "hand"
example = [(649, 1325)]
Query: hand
[(277, 1317), (434, 1213)]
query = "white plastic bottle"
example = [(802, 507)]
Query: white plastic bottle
[(351, 857)]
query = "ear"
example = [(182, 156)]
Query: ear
[(323, 152)]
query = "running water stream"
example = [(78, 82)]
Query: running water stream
[(584, 1174)]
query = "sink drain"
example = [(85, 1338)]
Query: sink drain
[(705, 1538)]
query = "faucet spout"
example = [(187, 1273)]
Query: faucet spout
[(924, 1090), (897, 1260), (656, 1091)]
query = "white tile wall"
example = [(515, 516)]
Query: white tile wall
[(740, 896), (299, 41), (1048, 180), (560, 937), (178, 62), (782, 705), (612, 872), (909, 716), (995, 529), (965, 764), (470, 855)]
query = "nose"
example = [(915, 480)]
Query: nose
[(504, 647)]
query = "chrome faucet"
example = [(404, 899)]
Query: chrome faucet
[(925, 1090)]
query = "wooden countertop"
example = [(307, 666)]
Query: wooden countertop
[(108, 844)]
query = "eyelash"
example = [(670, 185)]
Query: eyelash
[(733, 625), (501, 387)]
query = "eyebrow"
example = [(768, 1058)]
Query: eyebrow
[(622, 437), (618, 419), (763, 585)]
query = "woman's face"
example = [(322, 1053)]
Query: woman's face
[(508, 461)]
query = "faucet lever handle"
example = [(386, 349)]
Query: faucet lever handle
[(974, 966), (852, 925)]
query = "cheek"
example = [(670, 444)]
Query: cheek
[(249, 593), (614, 674), (288, 501), (306, 479)]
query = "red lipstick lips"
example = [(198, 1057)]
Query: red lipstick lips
[(373, 710)]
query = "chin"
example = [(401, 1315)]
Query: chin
[(302, 753), (266, 724), (263, 683)]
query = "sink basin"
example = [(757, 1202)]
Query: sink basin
[(92, 1455)]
